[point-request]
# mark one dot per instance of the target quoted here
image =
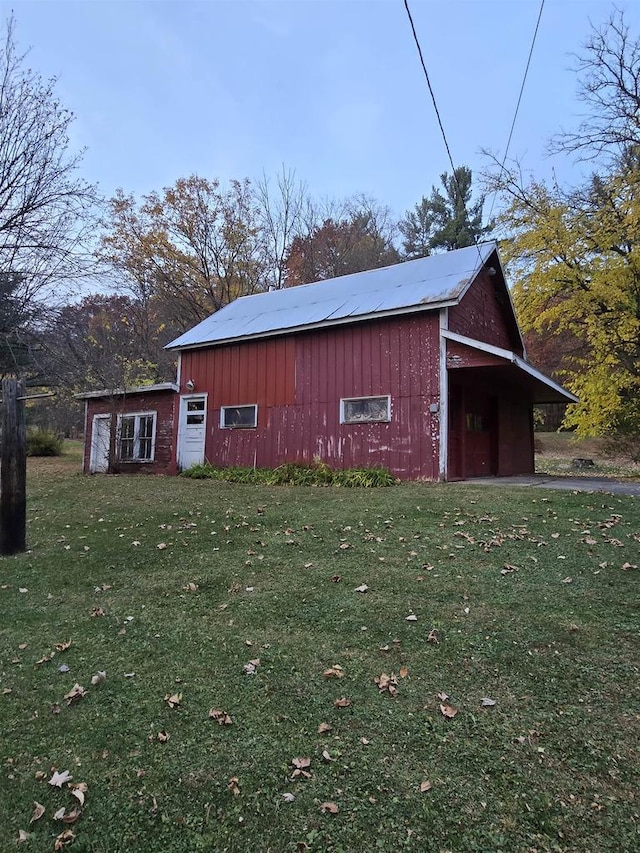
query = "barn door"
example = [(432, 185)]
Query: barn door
[(480, 437), (192, 430)]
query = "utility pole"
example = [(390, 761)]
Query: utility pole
[(13, 469)]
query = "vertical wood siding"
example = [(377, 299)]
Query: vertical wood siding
[(484, 314), (298, 381)]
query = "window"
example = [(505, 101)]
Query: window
[(476, 423), (136, 437), (239, 417), (365, 410), (195, 412)]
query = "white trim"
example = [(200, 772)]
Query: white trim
[(93, 469), (386, 420), (136, 437), (443, 456), (182, 423), (514, 359), (253, 406), (179, 371)]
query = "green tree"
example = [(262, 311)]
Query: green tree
[(444, 220)]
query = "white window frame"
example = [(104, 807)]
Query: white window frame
[(136, 437), (253, 406), (346, 400)]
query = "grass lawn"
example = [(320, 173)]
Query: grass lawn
[(172, 586), (557, 452)]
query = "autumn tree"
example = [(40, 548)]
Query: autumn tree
[(342, 238), (45, 207), (575, 254), (447, 219)]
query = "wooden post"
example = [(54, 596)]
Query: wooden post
[(13, 469)]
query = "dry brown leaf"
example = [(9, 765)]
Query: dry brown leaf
[(6, 691), (326, 756), (234, 786), (23, 646), (627, 566), (404, 672), (251, 666), (97, 611), (44, 659), (40, 775), (75, 694), (323, 728), (78, 791), (344, 546), (425, 786), (161, 546), (62, 647), (330, 808), (190, 587), (173, 700), (387, 683), (221, 717), (59, 779), (99, 678), (72, 816), (65, 837), (335, 578), (433, 637), (342, 703), (508, 569), (443, 696), (59, 814), (38, 811), (447, 711), (22, 836), (336, 671), (411, 618), (486, 702), (301, 763), (362, 588)]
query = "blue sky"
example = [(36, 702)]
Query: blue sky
[(330, 88)]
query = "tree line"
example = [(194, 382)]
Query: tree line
[(170, 258)]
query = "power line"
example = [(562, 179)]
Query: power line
[(515, 115), (435, 106)]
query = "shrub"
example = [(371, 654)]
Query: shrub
[(294, 474), (43, 442)]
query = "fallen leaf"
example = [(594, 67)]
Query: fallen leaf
[(335, 578), (22, 589), (404, 672), (342, 703), (508, 569), (568, 580), (40, 775), (97, 611), (38, 811), (59, 779), (330, 808), (190, 587), (326, 756), (59, 814), (221, 717), (433, 637), (44, 659), (425, 786), (99, 678), (23, 646), (288, 797), (411, 618), (78, 791), (234, 786), (163, 736), (75, 694), (173, 700), (336, 671), (22, 836), (443, 696), (343, 547), (323, 728), (161, 546), (65, 837), (447, 711), (251, 666), (362, 588), (62, 647), (365, 741), (627, 566), (63, 668), (387, 683), (72, 816), (6, 691), (487, 703)]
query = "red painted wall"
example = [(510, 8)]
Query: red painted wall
[(162, 402), (484, 313), (298, 381)]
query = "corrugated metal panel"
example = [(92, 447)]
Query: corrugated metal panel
[(424, 282)]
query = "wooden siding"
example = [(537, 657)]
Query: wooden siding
[(298, 381), (161, 402), (484, 313), (459, 355)]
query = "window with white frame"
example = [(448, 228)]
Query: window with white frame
[(239, 417), (358, 410), (137, 437)]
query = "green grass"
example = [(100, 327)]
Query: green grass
[(556, 452), (553, 766)]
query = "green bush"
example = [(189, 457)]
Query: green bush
[(294, 474), (43, 442)]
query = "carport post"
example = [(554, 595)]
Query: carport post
[(13, 469)]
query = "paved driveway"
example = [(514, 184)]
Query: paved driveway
[(608, 485)]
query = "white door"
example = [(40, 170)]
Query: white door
[(192, 431), (99, 457)]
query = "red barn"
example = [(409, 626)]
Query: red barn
[(418, 367)]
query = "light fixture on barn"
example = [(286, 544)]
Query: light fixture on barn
[(190, 384)]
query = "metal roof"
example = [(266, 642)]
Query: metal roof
[(118, 392), (410, 286)]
